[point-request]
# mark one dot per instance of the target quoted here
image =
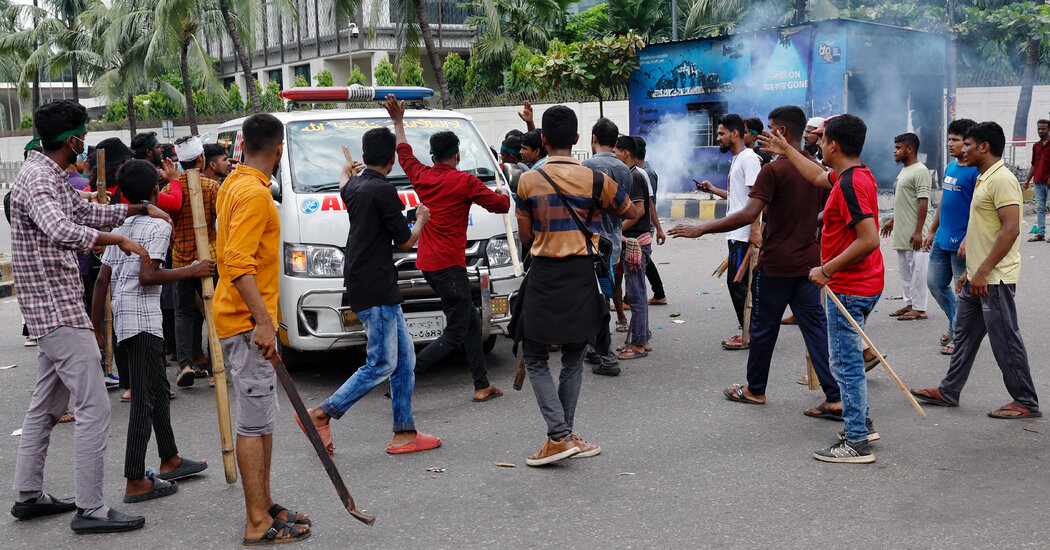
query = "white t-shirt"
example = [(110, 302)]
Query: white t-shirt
[(742, 174)]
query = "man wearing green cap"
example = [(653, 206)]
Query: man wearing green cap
[(50, 223)]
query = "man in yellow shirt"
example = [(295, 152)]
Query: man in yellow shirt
[(248, 246), (986, 289)]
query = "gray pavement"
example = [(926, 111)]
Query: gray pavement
[(703, 472)]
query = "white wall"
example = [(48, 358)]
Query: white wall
[(1000, 104)]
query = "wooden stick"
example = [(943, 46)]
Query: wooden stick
[(745, 336), (102, 198), (811, 374), (722, 267), (512, 243), (218, 368), (889, 369), (747, 260)]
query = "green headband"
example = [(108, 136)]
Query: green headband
[(446, 154), (506, 149), (74, 132)]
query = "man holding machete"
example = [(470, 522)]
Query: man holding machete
[(245, 310)]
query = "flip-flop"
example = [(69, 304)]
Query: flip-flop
[(1024, 413), (324, 431), (901, 311), (278, 533), (658, 302), (491, 395), (933, 396), (186, 469), (948, 350), (736, 394), (621, 326), (733, 343), (422, 442), (629, 354), (912, 316), (825, 413), (160, 488), (277, 509), (945, 339)]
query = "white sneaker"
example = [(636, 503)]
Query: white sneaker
[(111, 380), (30, 342)]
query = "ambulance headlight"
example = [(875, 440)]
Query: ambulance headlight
[(498, 252), (313, 261)]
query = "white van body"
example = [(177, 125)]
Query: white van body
[(314, 226)]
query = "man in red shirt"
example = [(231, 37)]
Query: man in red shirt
[(851, 266), (1039, 174), (448, 193)]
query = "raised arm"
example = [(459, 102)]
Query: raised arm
[(815, 173)]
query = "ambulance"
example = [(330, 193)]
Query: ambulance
[(313, 315)]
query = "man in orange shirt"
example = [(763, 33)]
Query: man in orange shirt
[(248, 244)]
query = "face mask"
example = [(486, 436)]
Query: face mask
[(82, 157)]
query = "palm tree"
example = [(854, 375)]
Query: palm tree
[(242, 19), (56, 42), (650, 19), (718, 17), (412, 24), (124, 30), (504, 24), (178, 26)]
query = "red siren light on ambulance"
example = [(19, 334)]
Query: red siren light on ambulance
[(355, 93)]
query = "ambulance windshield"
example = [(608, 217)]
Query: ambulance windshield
[(316, 153)]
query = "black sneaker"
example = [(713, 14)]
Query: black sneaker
[(872, 434), (593, 358), (850, 452), (606, 369), (114, 522)]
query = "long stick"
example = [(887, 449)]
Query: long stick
[(875, 350), (747, 260), (315, 439), (745, 337), (102, 198), (512, 243), (218, 368)]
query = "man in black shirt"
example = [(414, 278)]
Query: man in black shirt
[(376, 225), (637, 247)]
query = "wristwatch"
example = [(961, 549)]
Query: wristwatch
[(145, 208)]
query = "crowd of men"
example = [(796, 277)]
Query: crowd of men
[(802, 231)]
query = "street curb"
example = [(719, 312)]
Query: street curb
[(691, 208)]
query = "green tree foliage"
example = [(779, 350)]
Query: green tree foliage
[(27, 121), (411, 71), (590, 24), (271, 100), (455, 73), (384, 74), (233, 99), (518, 78), (301, 82), (503, 25), (356, 77), (589, 67), (324, 78)]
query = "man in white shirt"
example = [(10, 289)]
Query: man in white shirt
[(742, 174)]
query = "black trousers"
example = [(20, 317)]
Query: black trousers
[(462, 324), (150, 407), (737, 291), (188, 323)]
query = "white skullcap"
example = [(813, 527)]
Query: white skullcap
[(815, 121), (190, 149)]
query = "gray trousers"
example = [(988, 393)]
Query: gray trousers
[(67, 362), (996, 316), (557, 403)]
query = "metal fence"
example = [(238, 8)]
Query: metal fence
[(9, 169)]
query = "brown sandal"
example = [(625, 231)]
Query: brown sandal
[(932, 396), (912, 316), (1012, 407)]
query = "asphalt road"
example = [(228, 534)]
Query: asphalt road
[(681, 466)]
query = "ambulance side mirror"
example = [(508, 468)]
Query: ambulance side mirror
[(511, 174), (275, 189)]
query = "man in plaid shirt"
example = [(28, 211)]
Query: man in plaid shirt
[(50, 223)]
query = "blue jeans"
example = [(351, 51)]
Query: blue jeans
[(1040, 207), (635, 295), (846, 350), (945, 269), (390, 355)]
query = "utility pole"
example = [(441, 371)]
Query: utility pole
[(674, 20)]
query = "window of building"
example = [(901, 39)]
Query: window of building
[(228, 81), (276, 75), (303, 71)]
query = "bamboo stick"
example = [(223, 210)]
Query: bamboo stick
[(218, 368)]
